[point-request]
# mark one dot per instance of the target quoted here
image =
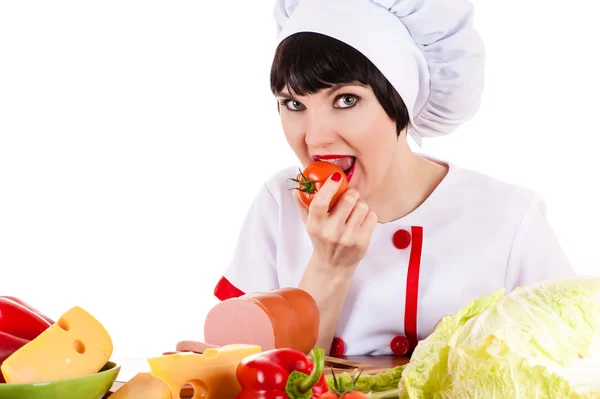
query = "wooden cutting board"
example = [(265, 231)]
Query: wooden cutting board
[(368, 365)]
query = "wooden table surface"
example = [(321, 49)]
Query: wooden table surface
[(380, 361)]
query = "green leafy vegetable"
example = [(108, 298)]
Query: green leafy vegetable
[(380, 382), (540, 341)]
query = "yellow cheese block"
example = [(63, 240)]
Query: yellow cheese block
[(211, 374), (76, 345), (143, 386)]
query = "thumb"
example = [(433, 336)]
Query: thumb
[(302, 210)]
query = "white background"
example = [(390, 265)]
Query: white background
[(134, 135)]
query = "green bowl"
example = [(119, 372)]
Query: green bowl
[(92, 386)]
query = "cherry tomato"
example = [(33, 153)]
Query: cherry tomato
[(349, 395), (312, 179), (340, 390)]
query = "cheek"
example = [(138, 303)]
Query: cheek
[(375, 141), (376, 156), (294, 135), (371, 133)]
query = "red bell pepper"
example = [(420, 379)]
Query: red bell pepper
[(282, 374), (19, 324), (20, 302), (20, 321), (8, 345)]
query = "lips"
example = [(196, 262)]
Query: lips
[(344, 162)]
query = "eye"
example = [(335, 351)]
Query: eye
[(347, 100), (292, 105)]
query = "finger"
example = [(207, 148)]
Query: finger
[(365, 232), (302, 210), (319, 207), (344, 207), (370, 222), (357, 215)]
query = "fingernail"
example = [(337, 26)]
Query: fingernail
[(336, 176)]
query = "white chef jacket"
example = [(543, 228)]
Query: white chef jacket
[(471, 237)]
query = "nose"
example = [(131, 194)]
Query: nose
[(319, 131)]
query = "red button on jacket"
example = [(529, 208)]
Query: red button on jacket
[(400, 345), (401, 239), (338, 347)]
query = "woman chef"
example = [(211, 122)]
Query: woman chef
[(414, 238)]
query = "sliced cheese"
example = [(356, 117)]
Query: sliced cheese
[(211, 374), (143, 386), (76, 345)]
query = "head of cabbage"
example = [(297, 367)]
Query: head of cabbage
[(539, 341)]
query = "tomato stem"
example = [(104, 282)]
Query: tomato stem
[(307, 185), (339, 387)]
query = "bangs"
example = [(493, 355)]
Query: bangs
[(306, 63)]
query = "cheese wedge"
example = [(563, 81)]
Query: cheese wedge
[(76, 345), (211, 374), (143, 386)]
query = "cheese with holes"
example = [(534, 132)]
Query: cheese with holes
[(76, 345), (212, 374), (143, 385)]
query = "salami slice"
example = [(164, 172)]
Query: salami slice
[(193, 346)]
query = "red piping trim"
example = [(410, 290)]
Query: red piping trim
[(225, 290), (412, 286)]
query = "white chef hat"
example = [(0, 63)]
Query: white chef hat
[(427, 49)]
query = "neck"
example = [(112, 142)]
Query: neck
[(409, 181)]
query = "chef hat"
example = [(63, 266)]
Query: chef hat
[(427, 49)]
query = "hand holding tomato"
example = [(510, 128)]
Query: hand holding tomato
[(339, 224), (312, 179)]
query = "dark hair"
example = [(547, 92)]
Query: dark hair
[(307, 62)]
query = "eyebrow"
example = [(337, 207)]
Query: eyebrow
[(286, 96), (329, 91), (342, 85)]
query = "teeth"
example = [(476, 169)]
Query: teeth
[(342, 163)]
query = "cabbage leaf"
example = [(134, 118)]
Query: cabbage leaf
[(540, 341)]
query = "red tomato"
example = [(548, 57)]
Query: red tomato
[(312, 179), (349, 395)]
